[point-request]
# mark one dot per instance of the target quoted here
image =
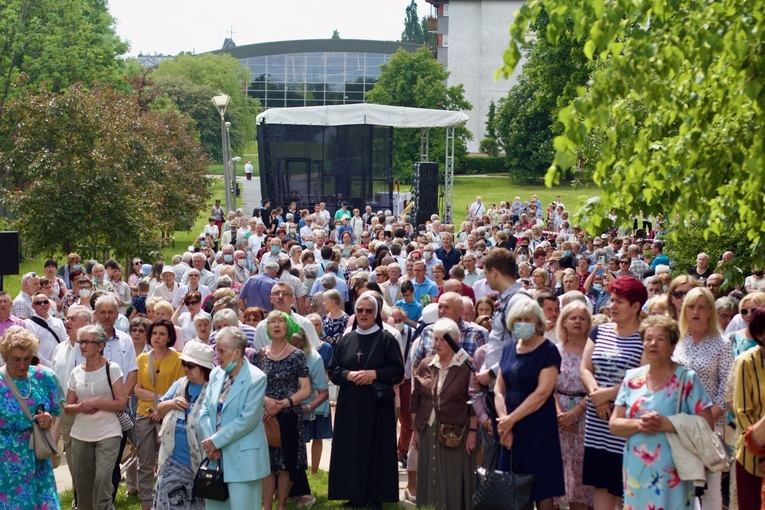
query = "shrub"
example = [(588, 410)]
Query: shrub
[(476, 165)]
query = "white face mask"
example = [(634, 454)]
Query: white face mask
[(241, 262), (479, 253), (85, 293), (399, 326), (427, 255)]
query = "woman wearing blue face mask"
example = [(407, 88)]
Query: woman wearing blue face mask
[(596, 287), (525, 404)]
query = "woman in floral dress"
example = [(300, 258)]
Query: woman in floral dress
[(25, 482), (648, 395), (573, 326)]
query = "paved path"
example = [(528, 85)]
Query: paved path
[(250, 195)]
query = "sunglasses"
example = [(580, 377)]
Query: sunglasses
[(679, 294), (747, 311), (137, 330), (86, 342), (194, 302), (41, 303), (138, 263), (365, 310), (190, 366)]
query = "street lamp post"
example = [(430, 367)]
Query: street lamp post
[(221, 102), (230, 168)]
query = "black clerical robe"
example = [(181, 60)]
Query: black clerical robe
[(363, 467)]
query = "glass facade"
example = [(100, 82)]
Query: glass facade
[(313, 78)]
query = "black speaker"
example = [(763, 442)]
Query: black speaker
[(9, 253), (425, 191)]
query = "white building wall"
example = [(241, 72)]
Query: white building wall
[(478, 37)]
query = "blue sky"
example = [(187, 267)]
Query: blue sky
[(171, 26)]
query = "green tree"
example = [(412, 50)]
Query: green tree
[(417, 80), (222, 73), (679, 102), (56, 43), (106, 175), (415, 29), (526, 121), (335, 34)]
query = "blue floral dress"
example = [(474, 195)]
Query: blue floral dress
[(649, 473), (25, 482)]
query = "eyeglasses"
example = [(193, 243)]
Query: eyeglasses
[(365, 310), (138, 263), (747, 311), (190, 366), (194, 302), (679, 294), (86, 342), (137, 330), (41, 303), (624, 262), (282, 294), (193, 276)]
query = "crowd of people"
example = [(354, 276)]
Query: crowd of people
[(613, 383)]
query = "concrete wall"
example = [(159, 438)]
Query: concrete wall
[(478, 36)]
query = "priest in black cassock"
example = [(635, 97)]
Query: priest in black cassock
[(363, 468)]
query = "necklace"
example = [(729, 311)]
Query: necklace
[(29, 388), (654, 387), (275, 355)]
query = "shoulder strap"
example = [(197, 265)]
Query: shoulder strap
[(15, 391), (681, 383), (109, 378), (41, 322)]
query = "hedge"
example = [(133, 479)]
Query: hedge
[(478, 165)]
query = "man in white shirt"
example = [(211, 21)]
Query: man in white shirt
[(324, 215), (63, 359), (50, 330), (275, 246), (307, 229), (248, 170), (206, 278), (476, 209), (472, 273), (257, 239)]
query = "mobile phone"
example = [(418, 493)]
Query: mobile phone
[(463, 251), (526, 281), (202, 243), (602, 259)]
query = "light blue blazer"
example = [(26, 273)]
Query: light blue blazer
[(241, 437)]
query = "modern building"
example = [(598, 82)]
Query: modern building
[(472, 36), (314, 72)]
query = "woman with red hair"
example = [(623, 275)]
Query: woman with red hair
[(612, 349)]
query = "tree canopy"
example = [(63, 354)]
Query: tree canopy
[(57, 43), (417, 80), (415, 29), (107, 172), (677, 102), (218, 73), (526, 120)]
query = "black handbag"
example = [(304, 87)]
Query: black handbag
[(209, 484), (500, 490)]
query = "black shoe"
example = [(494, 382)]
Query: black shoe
[(403, 460)]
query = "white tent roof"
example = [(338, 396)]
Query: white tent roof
[(363, 113)]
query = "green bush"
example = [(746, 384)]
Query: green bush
[(477, 165), (685, 242), (489, 146)]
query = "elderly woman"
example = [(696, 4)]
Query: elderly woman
[(288, 385), (158, 369), (231, 421), (95, 392), (203, 323), (363, 467), (26, 482), (185, 320), (742, 339), (677, 290), (310, 272), (139, 329), (527, 420), (253, 316), (180, 451), (540, 278), (574, 324), (703, 349), (647, 397), (445, 425), (335, 320), (612, 349)]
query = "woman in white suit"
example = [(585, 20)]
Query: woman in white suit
[(232, 423)]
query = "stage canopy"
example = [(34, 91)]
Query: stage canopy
[(363, 113)]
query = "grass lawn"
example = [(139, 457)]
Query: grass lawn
[(250, 152), (318, 484), (498, 188)]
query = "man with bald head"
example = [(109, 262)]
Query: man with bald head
[(472, 336)]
